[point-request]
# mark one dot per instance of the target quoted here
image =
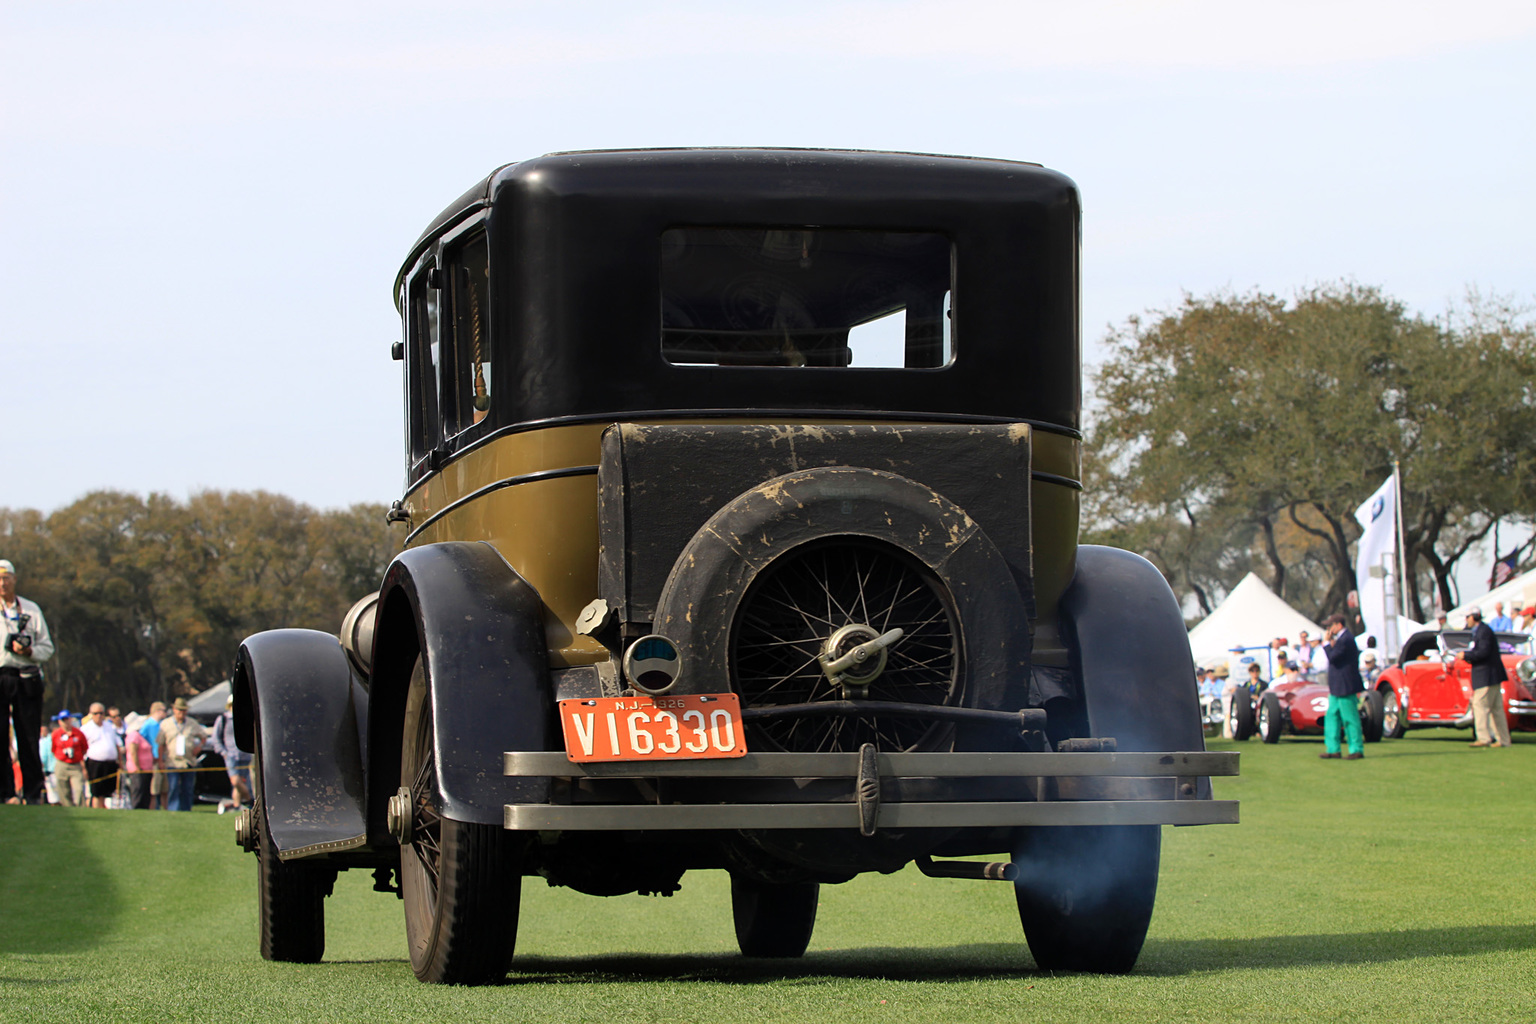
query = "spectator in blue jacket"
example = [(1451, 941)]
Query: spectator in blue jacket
[(1344, 687)]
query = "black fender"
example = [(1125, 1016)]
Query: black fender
[(479, 628), (298, 690), (1130, 652)]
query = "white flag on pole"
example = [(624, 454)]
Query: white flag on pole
[(1377, 561)]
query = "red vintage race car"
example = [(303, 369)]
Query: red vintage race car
[(1431, 684), (1298, 708)]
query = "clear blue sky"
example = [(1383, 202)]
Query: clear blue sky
[(203, 205)]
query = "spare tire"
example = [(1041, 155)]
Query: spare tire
[(773, 576)]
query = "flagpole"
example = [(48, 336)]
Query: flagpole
[(1402, 554)]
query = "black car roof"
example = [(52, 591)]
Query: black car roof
[(575, 257)]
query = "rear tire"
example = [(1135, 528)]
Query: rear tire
[(1372, 717), (773, 920), (461, 881), (1086, 893), (290, 896)]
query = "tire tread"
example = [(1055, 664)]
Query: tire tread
[(291, 902)]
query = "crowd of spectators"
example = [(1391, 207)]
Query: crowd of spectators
[(138, 761)]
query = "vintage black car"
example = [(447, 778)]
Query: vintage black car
[(741, 509)]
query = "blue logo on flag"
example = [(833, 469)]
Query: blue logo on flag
[(1378, 507)]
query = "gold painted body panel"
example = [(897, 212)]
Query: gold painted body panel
[(547, 529)]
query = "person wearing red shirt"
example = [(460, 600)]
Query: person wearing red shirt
[(69, 745)]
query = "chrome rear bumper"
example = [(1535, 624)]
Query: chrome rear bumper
[(1165, 788)]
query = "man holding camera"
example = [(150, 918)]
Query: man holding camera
[(27, 646)]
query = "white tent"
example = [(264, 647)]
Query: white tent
[(209, 704), (1251, 616), (1516, 594)]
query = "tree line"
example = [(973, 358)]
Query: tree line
[(148, 598), (1241, 432)]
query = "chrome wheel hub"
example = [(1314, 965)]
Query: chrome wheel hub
[(245, 831), (852, 658), (397, 816)]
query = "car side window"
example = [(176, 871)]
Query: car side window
[(465, 374), (423, 349)]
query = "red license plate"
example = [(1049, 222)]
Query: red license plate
[(660, 728)]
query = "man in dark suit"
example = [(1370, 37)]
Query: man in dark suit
[(1488, 676), (1344, 687)]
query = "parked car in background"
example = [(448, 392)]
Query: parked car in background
[(1431, 683)]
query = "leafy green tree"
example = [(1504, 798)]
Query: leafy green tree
[(1249, 425), (148, 598)]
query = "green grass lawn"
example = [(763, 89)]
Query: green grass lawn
[(1397, 888)]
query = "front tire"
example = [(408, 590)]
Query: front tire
[(773, 920), (1242, 716), (461, 881), (1271, 719), (1085, 895), (1393, 720)]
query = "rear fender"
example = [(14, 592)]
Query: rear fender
[(299, 689), (479, 627), (1130, 650)]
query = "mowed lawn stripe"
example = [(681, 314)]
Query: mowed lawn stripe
[(1389, 889)]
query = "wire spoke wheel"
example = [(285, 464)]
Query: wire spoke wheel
[(421, 858), (799, 601)]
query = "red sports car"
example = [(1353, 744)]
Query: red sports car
[(1431, 684)]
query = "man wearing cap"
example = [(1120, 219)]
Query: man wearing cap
[(1488, 676), (1344, 686), (69, 747), (181, 740), (27, 646)]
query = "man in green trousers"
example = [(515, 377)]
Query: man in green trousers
[(1344, 687)]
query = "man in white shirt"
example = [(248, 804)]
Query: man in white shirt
[(102, 754), (1310, 656), (26, 645)]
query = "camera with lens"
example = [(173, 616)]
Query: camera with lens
[(22, 636)]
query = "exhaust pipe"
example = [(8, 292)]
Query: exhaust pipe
[(992, 871)]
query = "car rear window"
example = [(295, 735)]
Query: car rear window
[(819, 297)]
